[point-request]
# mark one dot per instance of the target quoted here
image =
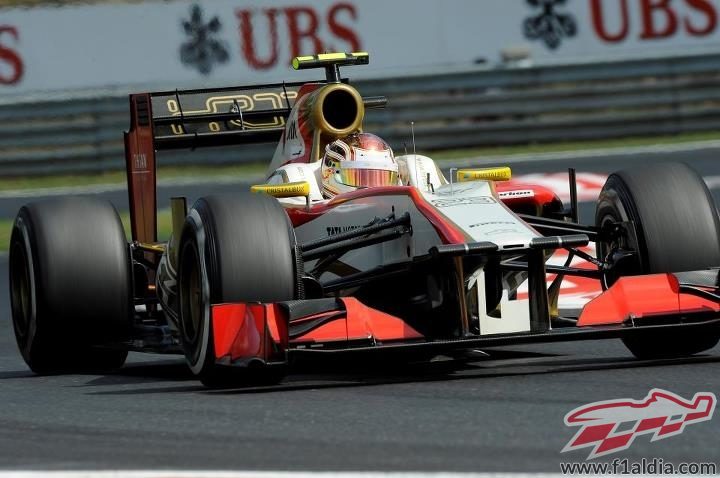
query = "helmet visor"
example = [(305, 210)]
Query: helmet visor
[(367, 178)]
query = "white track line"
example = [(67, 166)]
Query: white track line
[(259, 474), (271, 474), (579, 155)]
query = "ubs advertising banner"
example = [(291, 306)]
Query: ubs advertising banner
[(82, 46)]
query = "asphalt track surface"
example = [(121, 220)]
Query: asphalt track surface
[(503, 413)]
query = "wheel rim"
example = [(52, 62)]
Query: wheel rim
[(623, 242), (20, 289), (605, 248)]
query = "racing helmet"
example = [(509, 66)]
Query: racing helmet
[(360, 160)]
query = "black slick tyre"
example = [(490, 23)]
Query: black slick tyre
[(676, 229), (70, 285), (233, 248)]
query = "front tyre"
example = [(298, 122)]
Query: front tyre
[(677, 229), (233, 248)]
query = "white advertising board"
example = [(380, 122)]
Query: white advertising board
[(189, 43)]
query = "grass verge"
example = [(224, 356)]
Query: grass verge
[(164, 224), (5, 230), (118, 177)]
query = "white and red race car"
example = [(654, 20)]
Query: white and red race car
[(428, 266)]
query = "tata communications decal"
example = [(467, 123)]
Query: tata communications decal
[(549, 25)]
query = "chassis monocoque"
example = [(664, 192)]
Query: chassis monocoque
[(250, 280)]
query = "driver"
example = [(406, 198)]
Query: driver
[(360, 160)]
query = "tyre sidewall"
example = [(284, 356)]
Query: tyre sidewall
[(198, 346), (26, 333)]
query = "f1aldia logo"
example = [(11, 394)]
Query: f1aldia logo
[(549, 25), (202, 50), (611, 426)]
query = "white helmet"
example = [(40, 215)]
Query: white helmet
[(361, 160)]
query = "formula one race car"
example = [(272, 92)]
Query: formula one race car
[(402, 261)]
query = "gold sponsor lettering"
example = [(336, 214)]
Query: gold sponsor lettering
[(172, 106), (236, 103)]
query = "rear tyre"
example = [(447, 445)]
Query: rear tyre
[(69, 285), (676, 229), (233, 248)]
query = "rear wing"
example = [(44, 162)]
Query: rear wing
[(189, 119), (222, 116)]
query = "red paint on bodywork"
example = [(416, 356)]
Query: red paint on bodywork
[(689, 302), (642, 296), (364, 321), (333, 331), (140, 166), (305, 128), (247, 331), (449, 232), (541, 197), (360, 322)]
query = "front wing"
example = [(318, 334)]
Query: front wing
[(256, 333)]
